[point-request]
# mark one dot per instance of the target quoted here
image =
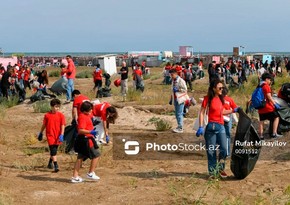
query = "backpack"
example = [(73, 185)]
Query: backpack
[(258, 99)]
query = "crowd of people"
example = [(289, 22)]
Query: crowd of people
[(217, 106)]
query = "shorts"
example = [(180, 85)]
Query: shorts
[(53, 150), (98, 83), (268, 116), (94, 153)]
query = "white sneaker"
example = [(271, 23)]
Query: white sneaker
[(178, 130), (93, 176), (76, 179)]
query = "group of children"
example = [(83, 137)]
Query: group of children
[(86, 144)]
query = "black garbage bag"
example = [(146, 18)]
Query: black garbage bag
[(284, 122), (59, 87), (20, 92), (246, 147), (284, 117), (139, 83), (70, 134), (104, 92), (37, 96)]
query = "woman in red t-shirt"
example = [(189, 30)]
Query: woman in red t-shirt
[(214, 133)]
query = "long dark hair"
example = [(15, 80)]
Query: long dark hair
[(210, 92)]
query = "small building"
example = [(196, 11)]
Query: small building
[(108, 63), (167, 54), (186, 51), (263, 57)]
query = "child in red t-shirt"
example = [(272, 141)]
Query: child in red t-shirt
[(54, 123), (85, 143), (63, 70), (106, 114), (97, 77), (78, 100)]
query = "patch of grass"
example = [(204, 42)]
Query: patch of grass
[(42, 106), (55, 73), (146, 77), (133, 183), (2, 111), (287, 191), (155, 77), (234, 201), (33, 150), (160, 124), (5, 199), (30, 139), (7, 103), (31, 165), (181, 188), (84, 74), (260, 200), (133, 95), (152, 95)]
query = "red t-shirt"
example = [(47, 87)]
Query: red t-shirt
[(27, 74), (99, 110), (187, 103), (215, 111), (168, 67), (78, 102), (97, 74), (85, 122), (269, 107), (178, 70), (53, 123), (229, 103), (138, 72), (71, 70)]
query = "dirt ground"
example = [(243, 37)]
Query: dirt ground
[(24, 178)]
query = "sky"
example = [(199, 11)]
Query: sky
[(150, 25)]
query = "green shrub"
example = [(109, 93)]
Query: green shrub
[(160, 124), (84, 74), (55, 73), (7, 103), (42, 106), (145, 77), (155, 77)]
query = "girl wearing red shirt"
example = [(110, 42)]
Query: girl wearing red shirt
[(215, 131)]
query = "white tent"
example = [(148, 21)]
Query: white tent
[(108, 63)]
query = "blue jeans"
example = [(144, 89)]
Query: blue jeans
[(228, 127), (215, 135), (69, 89), (179, 113)]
